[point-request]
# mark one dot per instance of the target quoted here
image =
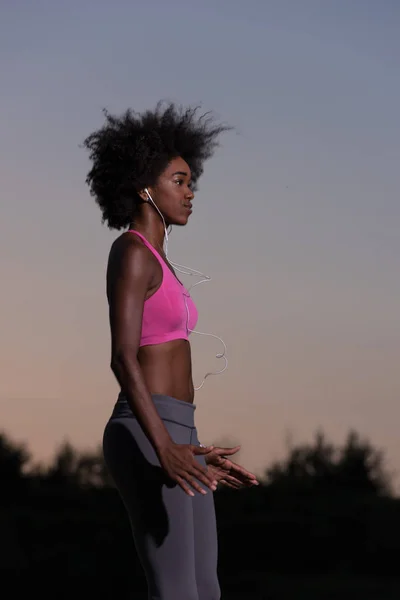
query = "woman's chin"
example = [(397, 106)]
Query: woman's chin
[(181, 220)]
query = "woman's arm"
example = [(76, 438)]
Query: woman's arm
[(132, 275)]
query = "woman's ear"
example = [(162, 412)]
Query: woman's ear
[(144, 195)]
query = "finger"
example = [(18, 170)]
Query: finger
[(233, 486), (210, 483), (227, 451), (238, 470), (183, 485), (198, 470), (195, 484), (201, 449), (244, 479), (233, 481), (194, 477), (204, 477)]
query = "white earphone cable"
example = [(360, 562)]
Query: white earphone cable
[(204, 278)]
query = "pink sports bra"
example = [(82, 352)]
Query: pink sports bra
[(170, 313)]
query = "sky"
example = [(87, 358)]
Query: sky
[(296, 219)]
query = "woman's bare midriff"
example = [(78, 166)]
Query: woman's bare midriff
[(167, 369)]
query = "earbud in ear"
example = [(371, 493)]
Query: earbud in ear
[(147, 196)]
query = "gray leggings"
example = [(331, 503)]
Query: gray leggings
[(175, 535)]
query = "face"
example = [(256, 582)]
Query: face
[(172, 192)]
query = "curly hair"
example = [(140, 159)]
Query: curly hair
[(130, 152)]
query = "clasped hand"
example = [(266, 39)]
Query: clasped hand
[(225, 471), (179, 463)]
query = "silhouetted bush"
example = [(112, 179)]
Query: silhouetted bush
[(324, 513)]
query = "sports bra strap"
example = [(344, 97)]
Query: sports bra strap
[(150, 247)]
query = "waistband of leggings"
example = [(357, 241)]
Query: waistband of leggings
[(169, 409)]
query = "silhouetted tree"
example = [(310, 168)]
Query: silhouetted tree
[(321, 510), (13, 458), (356, 466), (362, 467), (83, 469)]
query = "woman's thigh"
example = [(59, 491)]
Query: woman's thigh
[(160, 512)]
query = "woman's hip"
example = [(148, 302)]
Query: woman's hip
[(169, 409), (124, 440)]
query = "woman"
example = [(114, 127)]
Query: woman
[(144, 169)]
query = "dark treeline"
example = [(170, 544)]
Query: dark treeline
[(324, 524)]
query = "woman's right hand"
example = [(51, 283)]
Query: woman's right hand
[(178, 461)]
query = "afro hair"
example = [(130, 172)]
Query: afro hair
[(130, 152)]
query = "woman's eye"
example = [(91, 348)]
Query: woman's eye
[(182, 181)]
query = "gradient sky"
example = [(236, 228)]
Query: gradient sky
[(296, 219)]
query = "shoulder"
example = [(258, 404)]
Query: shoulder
[(129, 256)]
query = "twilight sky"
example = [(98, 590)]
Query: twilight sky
[(296, 219)]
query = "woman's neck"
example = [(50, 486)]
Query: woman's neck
[(149, 223)]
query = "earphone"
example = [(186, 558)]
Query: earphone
[(193, 273)]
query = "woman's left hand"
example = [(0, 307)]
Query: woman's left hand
[(227, 472)]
